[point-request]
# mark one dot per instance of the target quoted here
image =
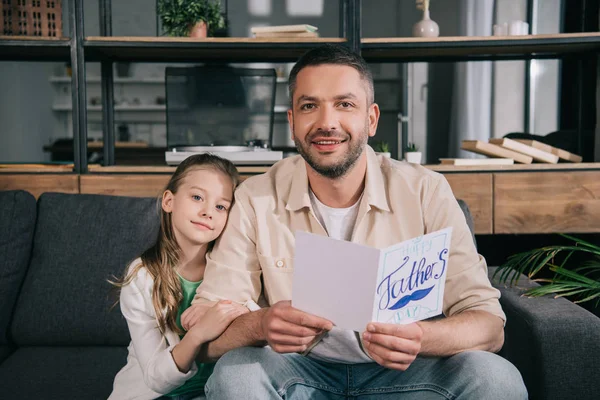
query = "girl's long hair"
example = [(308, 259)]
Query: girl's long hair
[(162, 258)]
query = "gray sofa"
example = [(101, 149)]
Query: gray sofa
[(60, 339)]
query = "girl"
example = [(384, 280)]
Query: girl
[(161, 284)]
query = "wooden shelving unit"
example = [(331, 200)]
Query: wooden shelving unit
[(534, 198)]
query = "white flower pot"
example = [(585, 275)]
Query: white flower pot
[(385, 154), (413, 157)]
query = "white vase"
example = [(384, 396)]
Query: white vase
[(426, 27), (385, 154), (413, 157)]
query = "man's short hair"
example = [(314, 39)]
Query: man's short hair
[(336, 55)]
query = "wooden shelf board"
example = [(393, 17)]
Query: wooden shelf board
[(438, 168), (160, 169), (516, 167), (156, 49), (35, 168), (463, 48)]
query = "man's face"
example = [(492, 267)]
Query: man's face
[(331, 118)]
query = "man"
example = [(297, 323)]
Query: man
[(339, 187)]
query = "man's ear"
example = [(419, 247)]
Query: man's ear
[(167, 201), (290, 116), (373, 119)]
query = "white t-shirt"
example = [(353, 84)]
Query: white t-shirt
[(338, 345)]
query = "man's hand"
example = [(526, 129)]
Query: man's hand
[(393, 346), (289, 330), (194, 313)]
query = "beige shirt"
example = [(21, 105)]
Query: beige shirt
[(400, 201)]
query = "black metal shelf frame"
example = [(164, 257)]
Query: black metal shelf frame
[(35, 50), (110, 51), (577, 51)]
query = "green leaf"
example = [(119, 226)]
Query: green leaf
[(178, 16), (577, 281)]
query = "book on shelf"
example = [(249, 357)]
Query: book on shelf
[(284, 28), (493, 150), (476, 161), (537, 154), (562, 154), (287, 35)]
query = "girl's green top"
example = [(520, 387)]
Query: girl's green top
[(196, 383)]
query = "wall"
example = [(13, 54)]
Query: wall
[(25, 116)]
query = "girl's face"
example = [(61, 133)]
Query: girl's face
[(200, 207)]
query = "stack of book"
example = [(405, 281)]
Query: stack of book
[(285, 31), (508, 151)]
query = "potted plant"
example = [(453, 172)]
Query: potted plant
[(193, 18), (582, 282), (382, 148), (412, 153)]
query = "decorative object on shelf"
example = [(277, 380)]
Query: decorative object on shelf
[(580, 281), (285, 31), (537, 154), (31, 18), (495, 151), (382, 148), (412, 153), (123, 69), (425, 27), (476, 161), (193, 18), (124, 135)]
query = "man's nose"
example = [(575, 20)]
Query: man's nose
[(327, 120)]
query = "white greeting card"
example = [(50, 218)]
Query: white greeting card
[(352, 284)]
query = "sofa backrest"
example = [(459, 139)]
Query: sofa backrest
[(17, 224), (80, 242), (468, 217)]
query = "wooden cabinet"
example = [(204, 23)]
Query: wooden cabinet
[(37, 184), (532, 199), (477, 191), (134, 185), (545, 202)]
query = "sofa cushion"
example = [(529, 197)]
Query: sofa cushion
[(4, 352), (81, 241), (17, 224), (61, 372)]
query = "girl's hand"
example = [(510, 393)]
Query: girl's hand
[(216, 320), (194, 314)]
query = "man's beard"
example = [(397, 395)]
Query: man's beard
[(341, 168)]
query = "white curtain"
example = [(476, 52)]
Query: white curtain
[(472, 94)]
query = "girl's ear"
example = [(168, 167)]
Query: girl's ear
[(167, 201)]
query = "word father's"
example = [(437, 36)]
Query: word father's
[(392, 290)]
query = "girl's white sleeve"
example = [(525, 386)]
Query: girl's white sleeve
[(151, 347)]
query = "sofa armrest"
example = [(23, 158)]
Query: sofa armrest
[(5, 351), (553, 342)]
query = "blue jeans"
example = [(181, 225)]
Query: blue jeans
[(260, 373)]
